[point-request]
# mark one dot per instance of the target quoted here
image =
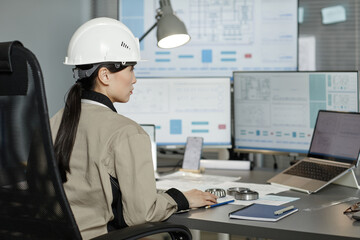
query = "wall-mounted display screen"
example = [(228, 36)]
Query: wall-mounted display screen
[(226, 35)]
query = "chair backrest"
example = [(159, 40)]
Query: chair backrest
[(33, 204)]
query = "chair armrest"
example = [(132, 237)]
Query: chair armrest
[(147, 229)]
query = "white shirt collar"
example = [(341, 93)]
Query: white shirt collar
[(93, 102)]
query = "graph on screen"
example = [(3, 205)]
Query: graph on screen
[(276, 111), (226, 35), (182, 107)]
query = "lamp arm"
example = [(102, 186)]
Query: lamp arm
[(148, 31), (157, 17)]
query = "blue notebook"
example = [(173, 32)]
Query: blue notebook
[(261, 212)]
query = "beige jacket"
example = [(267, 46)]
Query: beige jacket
[(109, 143)]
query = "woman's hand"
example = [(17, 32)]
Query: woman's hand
[(197, 198)]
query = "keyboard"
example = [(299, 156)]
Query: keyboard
[(316, 171)]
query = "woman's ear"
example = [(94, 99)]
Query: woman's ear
[(103, 75)]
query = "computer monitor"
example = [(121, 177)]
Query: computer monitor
[(276, 111), (182, 107), (150, 130), (225, 36)]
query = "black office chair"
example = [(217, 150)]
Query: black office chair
[(33, 204)]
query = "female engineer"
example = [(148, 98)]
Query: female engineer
[(105, 158)]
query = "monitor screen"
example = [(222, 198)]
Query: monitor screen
[(182, 107), (150, 130), (225, 36), (276, 111)]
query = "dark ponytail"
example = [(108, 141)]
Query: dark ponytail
[(65, 137)]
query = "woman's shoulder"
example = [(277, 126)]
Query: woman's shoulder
[(119, 122), (127, 124)]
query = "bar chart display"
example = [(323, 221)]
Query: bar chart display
[(181, 108), (277, 110), (226, 35)]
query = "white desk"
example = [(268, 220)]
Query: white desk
[(326, 223)]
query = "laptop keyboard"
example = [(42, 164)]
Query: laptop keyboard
[(316, 171)]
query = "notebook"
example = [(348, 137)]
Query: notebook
[(334, 151), (261, 212)]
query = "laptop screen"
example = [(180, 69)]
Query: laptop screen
[(336, 136)]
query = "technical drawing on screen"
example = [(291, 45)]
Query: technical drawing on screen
[(182, 107), (226, 36), (276, 111)]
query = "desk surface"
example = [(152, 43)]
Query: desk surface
[(325, 220)]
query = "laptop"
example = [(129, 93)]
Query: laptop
[(334, 152), (150, 130)]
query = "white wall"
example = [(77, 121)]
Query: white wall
[(45, 27)]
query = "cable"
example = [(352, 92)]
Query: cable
[(292, 162), (178, 164), (275, 162)]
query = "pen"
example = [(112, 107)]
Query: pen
[(281, 211), (219, 204)]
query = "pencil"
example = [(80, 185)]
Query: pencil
[(281, 211), (219, 204)]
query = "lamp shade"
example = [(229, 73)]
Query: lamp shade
[(171, 32)]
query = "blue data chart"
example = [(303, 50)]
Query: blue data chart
[(175, 127), (182, 107), (277, 111), (226, 36)]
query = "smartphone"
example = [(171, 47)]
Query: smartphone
[(193, 151)]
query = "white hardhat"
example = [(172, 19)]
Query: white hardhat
[(102, 40)]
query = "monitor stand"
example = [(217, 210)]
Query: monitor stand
[(348, 180), (156, 174)]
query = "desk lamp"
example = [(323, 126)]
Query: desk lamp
[(171, 31)]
